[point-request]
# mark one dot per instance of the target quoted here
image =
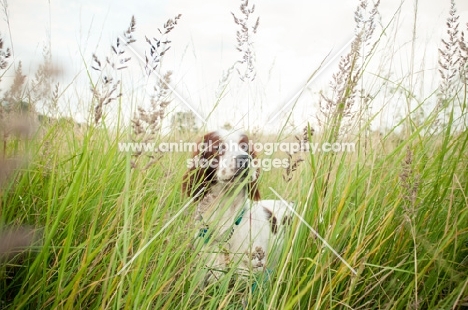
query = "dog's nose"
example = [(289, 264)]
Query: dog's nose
[(242, 162)]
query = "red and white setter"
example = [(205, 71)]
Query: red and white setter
[(237, 229)]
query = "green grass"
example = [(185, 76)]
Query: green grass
[(115, 237), (398, 217)]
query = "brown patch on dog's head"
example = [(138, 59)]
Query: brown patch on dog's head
[(201, 173)]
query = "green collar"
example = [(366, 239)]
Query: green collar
[(204, 231), (239, 218)]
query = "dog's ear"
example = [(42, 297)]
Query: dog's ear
[(200, 175), (254, 193), (193, 178)]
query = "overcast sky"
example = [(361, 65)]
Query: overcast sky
[(292, 40)]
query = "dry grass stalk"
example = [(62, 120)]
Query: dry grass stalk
[(224, 82), (449, 58), (147, 122), (159, 46), (464, 70), (13, 117), (464, 57), (15, 96), (410, 182), (244, 40), (106, 91), (4, 55), (44, 89), (6, 14), (293, 164), (339, 107), (453, 56)]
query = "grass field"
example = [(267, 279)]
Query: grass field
[(398, 217), (114, 231)]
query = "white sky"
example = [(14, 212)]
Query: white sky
[(291, 42)]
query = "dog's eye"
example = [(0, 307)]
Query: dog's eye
[(244, 147), (219, 148)]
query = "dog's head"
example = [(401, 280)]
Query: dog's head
[(221, 157)]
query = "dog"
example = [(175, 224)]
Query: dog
[(236, 228)]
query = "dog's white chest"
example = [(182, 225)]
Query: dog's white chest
[(246, 240)]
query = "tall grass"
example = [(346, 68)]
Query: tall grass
[(112, 235), (398, 217)]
